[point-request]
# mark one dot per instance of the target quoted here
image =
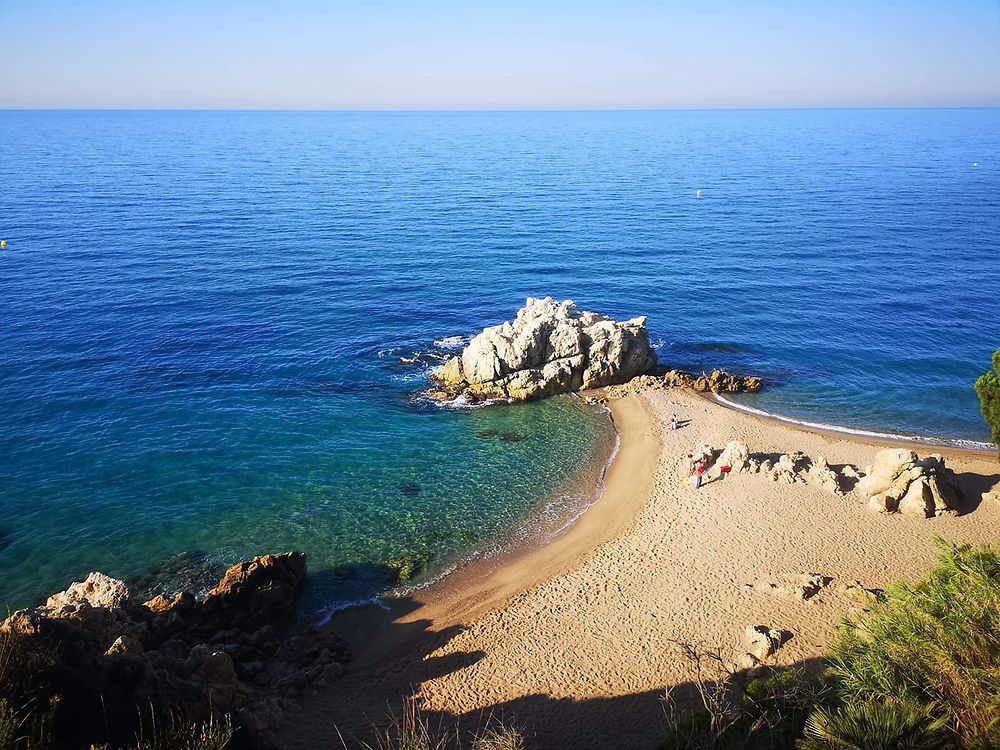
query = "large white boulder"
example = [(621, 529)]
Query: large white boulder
[(550, 347), (901, 481)]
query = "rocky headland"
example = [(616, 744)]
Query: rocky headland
[(549, 348), (107, 661)]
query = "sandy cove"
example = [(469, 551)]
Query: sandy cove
[(576, 640)]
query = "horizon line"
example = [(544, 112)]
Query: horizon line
[(541, 110)]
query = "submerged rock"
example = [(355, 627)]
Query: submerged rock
[(404, 569), (192, 570), (549, 348), (409, 489), (513, 436)]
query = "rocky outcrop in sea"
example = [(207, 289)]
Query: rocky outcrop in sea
[(549, 348), (235, 651)]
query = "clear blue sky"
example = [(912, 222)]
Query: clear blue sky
[(506, 54)]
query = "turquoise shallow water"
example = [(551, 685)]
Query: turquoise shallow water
[(214, 324)]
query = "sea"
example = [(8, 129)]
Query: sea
[(216, 327)]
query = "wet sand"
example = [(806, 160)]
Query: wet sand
[(576, 640)]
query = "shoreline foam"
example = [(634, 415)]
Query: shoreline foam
[(889, 438)]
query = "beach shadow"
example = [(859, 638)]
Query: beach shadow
[(971, 488), (400, 656), (391, 658), (847, 484), (627, 721)]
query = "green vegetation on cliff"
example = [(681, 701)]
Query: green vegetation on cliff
[(988, 389)]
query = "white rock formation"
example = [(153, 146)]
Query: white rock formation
[(735, 455), (821, 475), (98, 590), (549, 348), (901, 481)]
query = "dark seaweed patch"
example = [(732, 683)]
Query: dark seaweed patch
[(409, 489), (513, 436)]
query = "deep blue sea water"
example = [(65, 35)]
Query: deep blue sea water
[(213, 325)]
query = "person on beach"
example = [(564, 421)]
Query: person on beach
[(699, 470), (673, 424)]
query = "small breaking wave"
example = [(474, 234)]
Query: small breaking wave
[(461, 402), (452, 343), (327, 612), (415, 376), (920, 439), (423, 358)]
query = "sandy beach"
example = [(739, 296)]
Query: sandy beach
[(576, 641)]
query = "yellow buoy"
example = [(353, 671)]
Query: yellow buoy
[(3, 244), (697, 194)]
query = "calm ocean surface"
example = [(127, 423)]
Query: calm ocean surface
[(213, 326)]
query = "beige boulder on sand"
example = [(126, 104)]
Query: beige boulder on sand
[(901, 481)]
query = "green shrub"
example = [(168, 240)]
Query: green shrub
[(767, 715), (695, 731), (934, 644), (874, 725), (11, 730), (775, 708), (988, 390)]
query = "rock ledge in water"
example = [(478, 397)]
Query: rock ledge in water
[(549, 348)]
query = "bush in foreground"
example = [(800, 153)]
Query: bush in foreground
[(874, 725), (25, 705), (768, 714), (934, 645)]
